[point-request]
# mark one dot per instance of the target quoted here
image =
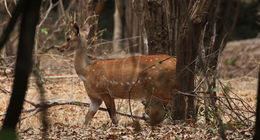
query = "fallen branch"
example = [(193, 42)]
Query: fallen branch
[(61, 76), (9, 93), (5, 91), (55, 102)]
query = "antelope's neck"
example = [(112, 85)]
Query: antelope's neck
[(81, 61)]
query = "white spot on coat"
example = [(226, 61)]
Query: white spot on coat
[(114, 82)]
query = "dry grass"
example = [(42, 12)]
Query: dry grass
[(66, 121)]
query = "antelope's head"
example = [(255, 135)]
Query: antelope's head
[(77, 38)]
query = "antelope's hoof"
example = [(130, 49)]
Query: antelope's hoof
[(115, 122), (114, 119), (144, 102)]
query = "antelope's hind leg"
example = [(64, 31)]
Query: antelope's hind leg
[(111, 108), (94, 106)]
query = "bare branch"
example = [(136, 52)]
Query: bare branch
[(6, 7)]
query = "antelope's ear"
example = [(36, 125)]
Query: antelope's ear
[(76, 28)]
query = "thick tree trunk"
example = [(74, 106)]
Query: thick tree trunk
[(152, 20), (191, 18), (134, 27), (186, 53), (29, 10), (257, 122), (156, 22)]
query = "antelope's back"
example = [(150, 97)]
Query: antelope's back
[(144, 75)]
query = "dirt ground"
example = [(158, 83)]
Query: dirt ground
[(240, 59), (239, 65)]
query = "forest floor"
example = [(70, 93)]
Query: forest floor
[(239, 65)]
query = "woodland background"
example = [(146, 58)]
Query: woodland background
[(230, 27)]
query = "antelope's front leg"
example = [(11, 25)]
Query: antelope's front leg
[(94, 106), (111, 108)]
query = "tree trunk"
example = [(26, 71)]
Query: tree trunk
[(257, 122), (186, 53), (134, 27), (117, 25), (191, 18), (152, 20), (29, 10), (157, 25)]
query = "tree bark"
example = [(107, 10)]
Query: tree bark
[(30, 10), (257, 122), (191, 18), (118, 29), (134, 27), (157, 26)]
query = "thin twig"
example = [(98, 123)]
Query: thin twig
[(217, 97), (6, 7)]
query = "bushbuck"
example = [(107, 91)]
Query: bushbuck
[(150, 78)]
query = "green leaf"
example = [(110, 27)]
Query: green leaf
[(216, 89), (231, 61), (44, 31)]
